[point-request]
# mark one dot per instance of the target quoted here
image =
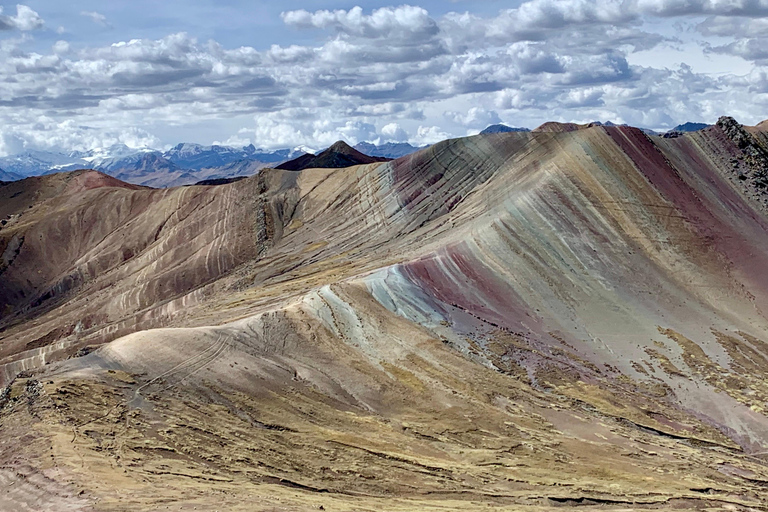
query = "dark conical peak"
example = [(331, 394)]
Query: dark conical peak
[(342, 147), (340, 154)]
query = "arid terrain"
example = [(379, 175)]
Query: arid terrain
[(571, 317)]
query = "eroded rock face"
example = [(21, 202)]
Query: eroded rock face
[(508, 320)]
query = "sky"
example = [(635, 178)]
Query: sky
[(81, 75)]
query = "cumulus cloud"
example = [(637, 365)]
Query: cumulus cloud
[(430, 135), (407, 20), (26, 19), (476, 117), (60, 47), (47, 133), (393, 132)]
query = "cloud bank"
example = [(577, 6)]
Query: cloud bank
[(391, 74)]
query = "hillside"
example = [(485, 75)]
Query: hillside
[(570, 316)]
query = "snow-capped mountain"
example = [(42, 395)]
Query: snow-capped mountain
[(185, 163), (103, 158), (134, 161), (387, 150), (196, 156), (33, 163)]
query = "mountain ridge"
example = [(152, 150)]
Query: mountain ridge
[(515, 320), (185, 163), (200, 162)]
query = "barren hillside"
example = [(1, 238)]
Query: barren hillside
[(508, 321)]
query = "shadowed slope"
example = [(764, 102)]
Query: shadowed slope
[(85, 251), (524, 319)]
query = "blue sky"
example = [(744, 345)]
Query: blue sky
[(85, 74)]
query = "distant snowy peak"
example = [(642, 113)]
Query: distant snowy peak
[(134, 161), (387, 150), (197, 156), (192, 150), (32, 163), (105, 158)]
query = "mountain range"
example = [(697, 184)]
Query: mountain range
[(189, 163), (575, 316), (388, 149), (181, 165)]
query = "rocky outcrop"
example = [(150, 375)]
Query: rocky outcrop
[(751, 167)]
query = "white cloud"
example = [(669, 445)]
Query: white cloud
[(393, 132), (407, 20), (729, 26), (60, 47), (429, 135), (26, 19), (96, 17), (46, 133), (751, 49), (476, 117)]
